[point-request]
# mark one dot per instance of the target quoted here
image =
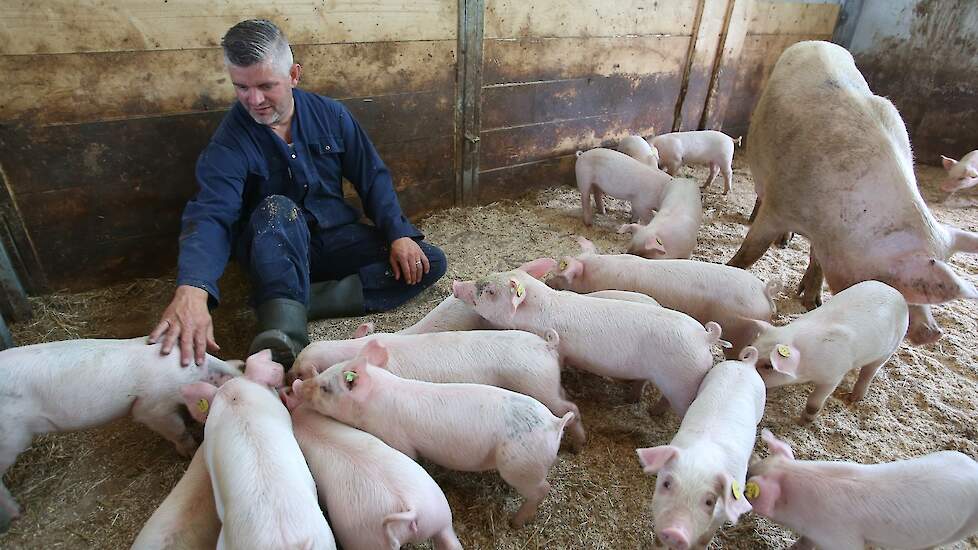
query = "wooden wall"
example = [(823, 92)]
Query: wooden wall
[(106, 106)]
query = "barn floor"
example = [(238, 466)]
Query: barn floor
[(97, 488)]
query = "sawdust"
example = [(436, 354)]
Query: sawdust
[(96, 488)]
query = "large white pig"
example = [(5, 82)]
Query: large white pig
[(701, 147), (859, 328), (672, 232), (665, 347), (832, 162), (639, 149), (921, 502), (467, 427), (80, 384), (703, 290), (513, 359), (701, 472), (453, 314), (263, 491), (376, 496), (604, 171), (187, 517), (961, 174)]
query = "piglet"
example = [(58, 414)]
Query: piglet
[(700, 474), (453, 314), (375, 495), (510, 359), (961, 174), (264, 493), (672, 232), (601, 171), (639, 149), (859, 328), (702, 147), (705, 291), (467, 427), (922, 502), (187, 519), (80, 384), (665, 347)]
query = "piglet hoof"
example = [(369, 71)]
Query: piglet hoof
[(922, 335), (784, 239), (806, 419), (851, 399)]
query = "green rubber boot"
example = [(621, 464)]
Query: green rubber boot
[(333, 299), (282, 329)]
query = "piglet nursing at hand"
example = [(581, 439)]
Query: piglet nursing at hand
[(921, 502), (961, 174), (665, 347), (601, 171), (703, 147), (249, 450), (80, 384), (672, 232), (700, 474), (467, 427), (703, 290), (859, 328), (639, 149), (376, 496), (187, 519)]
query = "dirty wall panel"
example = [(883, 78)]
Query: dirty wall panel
[(512, 181)]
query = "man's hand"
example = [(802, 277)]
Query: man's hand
[(408, 260), (187, 319)]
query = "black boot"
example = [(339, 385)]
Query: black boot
[(332, 299), (282, 329)]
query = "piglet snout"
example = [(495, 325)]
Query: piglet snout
[(464, 291), (675, 537)]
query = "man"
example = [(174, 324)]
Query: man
[(270, 195)]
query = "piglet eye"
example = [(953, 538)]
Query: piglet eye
[(710, 502), (491, 291), (325, 389), (666, 484)]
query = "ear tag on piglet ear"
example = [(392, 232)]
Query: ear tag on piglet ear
[(350, 376), (563, 265), (520, 290), (752, 490), (735, 489), (784, 351), (203, 406), (658, 241)]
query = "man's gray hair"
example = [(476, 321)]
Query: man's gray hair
[(257, 41)]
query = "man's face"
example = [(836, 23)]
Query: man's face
[(265, 91)]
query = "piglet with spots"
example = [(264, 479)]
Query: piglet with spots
[(467, 427)]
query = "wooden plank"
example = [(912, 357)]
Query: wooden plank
[(792, 18), (522, 144), (469, 100), (530, 60), (16, 240), (511, 182), (13, 299), (587, 18), (726, 63), (68, 26), (701, 68), (75, 87), (688, 65), (540, 102), (395, 118), (845, 25)]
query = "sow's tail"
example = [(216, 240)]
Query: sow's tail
[(713, 332)]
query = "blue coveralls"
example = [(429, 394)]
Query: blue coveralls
[(280, 211)]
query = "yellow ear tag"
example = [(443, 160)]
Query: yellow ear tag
[(563, 265), (350, 376), (203, 406), (519, 289), (752, 490), (658, 241), (735, 488), (784, 351)]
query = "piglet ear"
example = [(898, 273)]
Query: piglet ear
[(732, 498), (749, 355), (654, 459), (948, 162), (539, 268), (517, 292), (763, 493), (629, 228), (357, 379), (289, 398), (785, 359), (261, 369), (587, 247), (570, 268), (198, 397), (654, 244), (375, 353), (775, 446), (365, 329)]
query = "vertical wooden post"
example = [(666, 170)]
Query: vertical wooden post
[(469, 99), (677, 119), (728, 51)]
